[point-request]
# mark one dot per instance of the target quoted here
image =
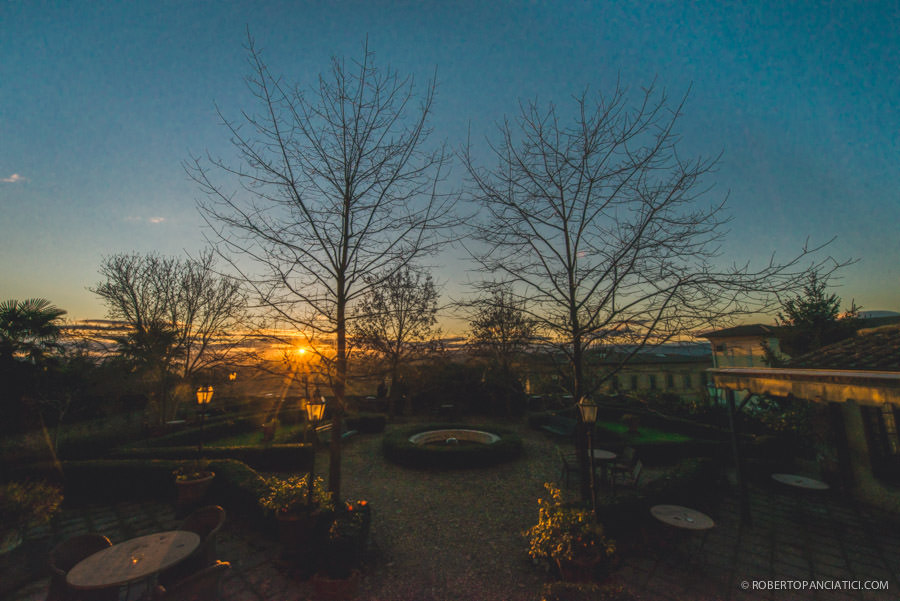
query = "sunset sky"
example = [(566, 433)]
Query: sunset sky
[(100, 103)]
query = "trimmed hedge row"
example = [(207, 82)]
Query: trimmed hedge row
[(236, 485), (651, 453), (212, 430), (397, 448), (268, 458)]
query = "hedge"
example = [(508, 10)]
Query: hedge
[(212, 430), (236, 485), (397, 448), (268, 458)]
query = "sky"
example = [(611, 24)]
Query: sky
[(101, 104)]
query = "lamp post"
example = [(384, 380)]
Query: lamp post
[(204, 396), (315, 411), (588, 410)]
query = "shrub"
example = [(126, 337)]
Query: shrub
[(291, 494), (399, 449), (27, 503), (566, 532)]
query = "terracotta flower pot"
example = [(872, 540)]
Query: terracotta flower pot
[(191, 492)]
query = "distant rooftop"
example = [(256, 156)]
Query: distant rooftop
[(876, 349)]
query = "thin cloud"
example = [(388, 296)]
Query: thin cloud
[(13, 179), (151, 220)]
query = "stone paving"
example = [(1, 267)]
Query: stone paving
[(791, 540)]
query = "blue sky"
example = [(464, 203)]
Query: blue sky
[(100, 103)]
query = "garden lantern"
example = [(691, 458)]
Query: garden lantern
[(315, 411), (588, 410), (204, 396)]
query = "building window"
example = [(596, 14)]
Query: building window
[(615, 382), (670, 381), (890, 428), (634, 382), (703, 379), (687, 381), (883, 440), (720, 348), (652, 382)]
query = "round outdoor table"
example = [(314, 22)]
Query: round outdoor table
[(800, 482), (604, 457), (132, 560), (682, 517)]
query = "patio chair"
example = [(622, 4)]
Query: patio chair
[(64, 557), (206, 522), (568, 463), (204, 585), (625, 461), (630, 479)]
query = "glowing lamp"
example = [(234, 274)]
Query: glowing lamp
[(204, 395), (315, 410), (588, 409)]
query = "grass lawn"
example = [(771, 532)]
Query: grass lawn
[(644, 434)]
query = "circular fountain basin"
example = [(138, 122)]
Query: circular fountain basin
[(453, 436)]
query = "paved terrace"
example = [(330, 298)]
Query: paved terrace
[(805, 537)]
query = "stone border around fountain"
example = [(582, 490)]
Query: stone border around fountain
[(406, 446)]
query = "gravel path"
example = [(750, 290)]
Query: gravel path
[(450, 535)]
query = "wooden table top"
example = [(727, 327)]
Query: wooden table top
[(602, 455), (800, 481), (133, 559), (682, 517)]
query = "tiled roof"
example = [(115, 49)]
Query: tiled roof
[(875, 349)]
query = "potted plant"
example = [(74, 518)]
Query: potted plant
[(344, 549), (297, 508), (24, 504), (192, 480), (570, 538)]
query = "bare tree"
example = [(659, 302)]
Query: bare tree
[(179, 313), (599, 225), (328, 187), (502, 329), (397, 320)]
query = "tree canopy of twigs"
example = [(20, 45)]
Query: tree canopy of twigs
[(330, 184), (396, 321), (181, 314), (501, 329), (600, 226)]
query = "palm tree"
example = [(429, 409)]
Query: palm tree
[(29, 329)]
